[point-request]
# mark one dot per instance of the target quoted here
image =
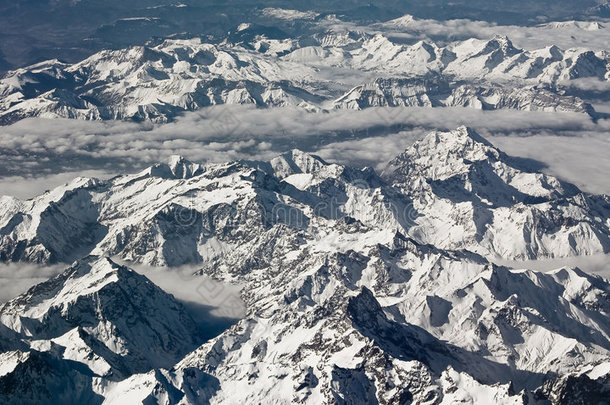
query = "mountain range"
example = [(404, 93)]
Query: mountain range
[(35, 30), (360, 287), (333, 69)]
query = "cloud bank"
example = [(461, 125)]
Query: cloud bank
[(595, 264), (38, 153), (565, 34), (213, 305), (17, 278)]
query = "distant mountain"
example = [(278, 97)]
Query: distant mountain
[(441, 93), (35, 30), (601, 10), (261, 67)]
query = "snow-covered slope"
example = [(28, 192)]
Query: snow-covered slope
[(355, 314), (34, 377), (441, 93), (470, 194), (157, 83), (390, 321), (359, 288), (105, 316), (96, 323), (453, 190)]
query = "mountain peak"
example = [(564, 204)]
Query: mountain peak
[(503, 41), (85, 276), (461, 139), (463, 166), (177, 167), (120, 314), (296, 162), (299, 155), (443, 154), (176, 159), (468, 135), (499, 43), (182, 168)]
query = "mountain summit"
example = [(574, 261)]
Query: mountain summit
[(471, 195), (451, 189)]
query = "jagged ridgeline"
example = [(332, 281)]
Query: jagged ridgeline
[(360, 287), (185, 75), (452, 190)]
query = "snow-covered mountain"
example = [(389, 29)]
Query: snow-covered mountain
[(333, 70), (370, 322), (470, 194), (105, 315), (357, 286), (97, 322), (453, 190), (441, 93), (393, 321)]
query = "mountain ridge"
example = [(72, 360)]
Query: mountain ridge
[(185, 75), (189, 208), (358, 287)]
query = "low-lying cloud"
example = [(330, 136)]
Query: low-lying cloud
[(212, 304), (17, 278), (596, 264), (580, 160), (31, 186), (566, 34), (222, 300), (39, 153)]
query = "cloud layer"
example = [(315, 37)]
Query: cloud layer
[(36, 154), (565, 34), (17, 278)]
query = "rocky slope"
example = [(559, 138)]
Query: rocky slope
[(105, 315)]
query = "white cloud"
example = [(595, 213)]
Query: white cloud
[(17, 278), (37, 153), (288, 15), (596, 264), (580, 160), (28, 187), (588, 84), (375, 152), (222, 300), (569, 34)]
